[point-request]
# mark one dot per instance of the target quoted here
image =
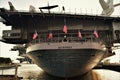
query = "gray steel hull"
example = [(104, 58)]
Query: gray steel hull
[(66, 62)]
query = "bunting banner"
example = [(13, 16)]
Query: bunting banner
[(79, 34), (35, 35), (96, 34), (50, 35), (65, 29)]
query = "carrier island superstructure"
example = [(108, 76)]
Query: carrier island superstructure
[(66, 45)]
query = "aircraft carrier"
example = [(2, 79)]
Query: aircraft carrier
[(61, 51)]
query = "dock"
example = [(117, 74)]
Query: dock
[(7, 76), (115, 67)]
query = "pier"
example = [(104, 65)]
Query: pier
[(115, 67), (9, 76)]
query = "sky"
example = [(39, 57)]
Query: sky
[(79, 6), (73, 6)]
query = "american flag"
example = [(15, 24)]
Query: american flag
[(65, 29), (96, 34), (50, 35), (35, 35), (79, 34)]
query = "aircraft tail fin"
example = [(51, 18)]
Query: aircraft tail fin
[(32, 9), (12, 8), (108, 7), (110, 2), (103, 4)]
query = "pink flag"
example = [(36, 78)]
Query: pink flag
[(35, 35), (79, 34), (65, 29), (96, 34), (50, 35)]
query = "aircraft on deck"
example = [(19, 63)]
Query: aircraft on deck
[(108, 7)]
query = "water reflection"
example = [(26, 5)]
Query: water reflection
[(28, 71), (107, 74), (32, 71)]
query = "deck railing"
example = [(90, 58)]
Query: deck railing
[(64, 38)]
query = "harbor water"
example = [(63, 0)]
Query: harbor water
[(33, 72)]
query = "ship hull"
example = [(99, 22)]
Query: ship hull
[(66, 62)]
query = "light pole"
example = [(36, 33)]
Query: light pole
[(0, 38)]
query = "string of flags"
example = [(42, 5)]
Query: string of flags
[(50, 36), (65, 30)]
